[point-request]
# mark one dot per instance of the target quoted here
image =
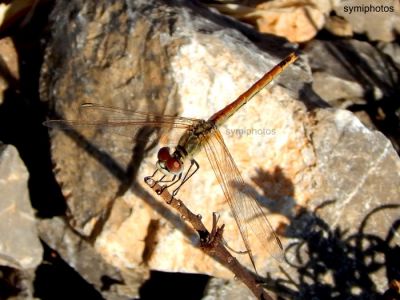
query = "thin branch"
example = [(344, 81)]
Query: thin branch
[(212, 243)]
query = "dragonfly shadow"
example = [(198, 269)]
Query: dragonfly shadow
[(277, 191), (329, 262), (127, 176)]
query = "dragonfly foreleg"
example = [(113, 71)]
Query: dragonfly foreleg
[(163, 179), (189, 173), (146, 179)]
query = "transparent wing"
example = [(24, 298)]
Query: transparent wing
[(247, 212), (90, 110), (123, 122)]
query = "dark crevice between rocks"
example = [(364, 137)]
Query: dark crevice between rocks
[(177, 286), (22, 114), (55, 279)]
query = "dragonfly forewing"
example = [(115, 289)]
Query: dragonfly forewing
[(249, 216), (124, 122)]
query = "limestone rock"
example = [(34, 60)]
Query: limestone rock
[(180, 58), (19, 244), (93, 167)]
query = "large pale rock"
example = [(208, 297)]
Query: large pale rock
[(181, 59), (19, 244)]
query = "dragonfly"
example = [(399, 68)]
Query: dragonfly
[(198, 135)]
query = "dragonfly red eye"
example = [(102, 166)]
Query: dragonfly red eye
[(163, 154), (174, 166)]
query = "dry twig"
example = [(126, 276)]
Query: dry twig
[(212, 243)]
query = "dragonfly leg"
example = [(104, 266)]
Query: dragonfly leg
[(161, 180), (189, 173), (171, 182), (174, 181), (148, 178)]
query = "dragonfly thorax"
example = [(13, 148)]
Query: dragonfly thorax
[(192, 140)]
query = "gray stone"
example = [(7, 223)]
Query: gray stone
[(350, 69), (17, 284), (19, 244), (220, 289), (354, 75), (392, 50), (111, 282)]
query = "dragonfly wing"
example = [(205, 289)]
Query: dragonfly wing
[(249, 215), (93, 110), (123, 122)]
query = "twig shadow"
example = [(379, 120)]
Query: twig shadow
[(326, 262)]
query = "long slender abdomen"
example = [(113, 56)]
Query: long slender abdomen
[(224, 114)]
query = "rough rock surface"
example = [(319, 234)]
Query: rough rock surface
[(219, 289), (20, 247), (296, 20), (324, 178), (354, 75), (338, 26), (393, 50), (113, 283)]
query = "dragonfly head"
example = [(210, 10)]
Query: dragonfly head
[(168, 163)]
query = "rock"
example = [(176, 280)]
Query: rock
[(180, 73), (380, 21), (392, 50), (354, 75), (179, 58), (219, 289), (111, 282), (338, 26), (298, 20), (20, 247), (17, 284), (355, 208), (9, 67)]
